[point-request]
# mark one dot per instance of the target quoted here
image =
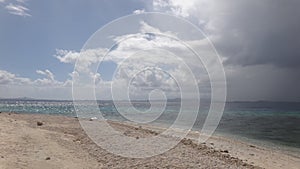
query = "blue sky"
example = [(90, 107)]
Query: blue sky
[(257, 41), (32, 40)]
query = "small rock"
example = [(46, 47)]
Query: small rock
[(2, 156), (48, 158), (251, 154), (252, 146), (225, 151), (0, 112), (39, 123), (137, 137), (212, 144), (126, 133), (9, 113)]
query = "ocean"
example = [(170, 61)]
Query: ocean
[(269, 122)]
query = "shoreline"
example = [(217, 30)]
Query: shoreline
[(217, 152), (254, 152), (287, 149)]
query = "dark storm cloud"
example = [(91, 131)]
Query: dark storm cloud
[(259, 41), (259, 32)]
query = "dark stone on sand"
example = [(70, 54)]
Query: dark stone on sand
[(39, 123), (252, 146), (48, 158), (137, 137), (225, 151)]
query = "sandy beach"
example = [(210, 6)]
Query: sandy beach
[(44, 141)]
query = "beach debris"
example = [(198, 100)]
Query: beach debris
[(186, 141), (126, 133), (0, 112), (93, 118), (225, 151), (252, 146), (77, 140), (153, 132), (137, 137), (47, 158), (39, 123)]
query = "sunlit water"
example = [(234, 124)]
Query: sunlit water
[(275, 122)]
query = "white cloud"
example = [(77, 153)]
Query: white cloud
[(16, 9), (176, 7), (139, 11), (83, 59), (147, 60), (12, 85), (7, 78), (47, 73)]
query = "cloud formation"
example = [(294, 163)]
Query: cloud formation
[(258, 41), (14, 86), (17, 9), (48, 80), (246, 32), (146, 60)]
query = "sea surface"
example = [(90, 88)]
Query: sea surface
[(270, 122)]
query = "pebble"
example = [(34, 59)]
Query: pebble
[(225, 151), (39, 123), (48, 158)]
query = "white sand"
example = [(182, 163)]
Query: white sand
[(23, 144)]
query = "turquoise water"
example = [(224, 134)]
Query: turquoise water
[(276, 122)]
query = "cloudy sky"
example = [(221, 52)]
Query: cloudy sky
[(257, 41)]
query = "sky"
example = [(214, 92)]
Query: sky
[(258, 43)]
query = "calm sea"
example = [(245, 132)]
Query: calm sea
[(274, 122)]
